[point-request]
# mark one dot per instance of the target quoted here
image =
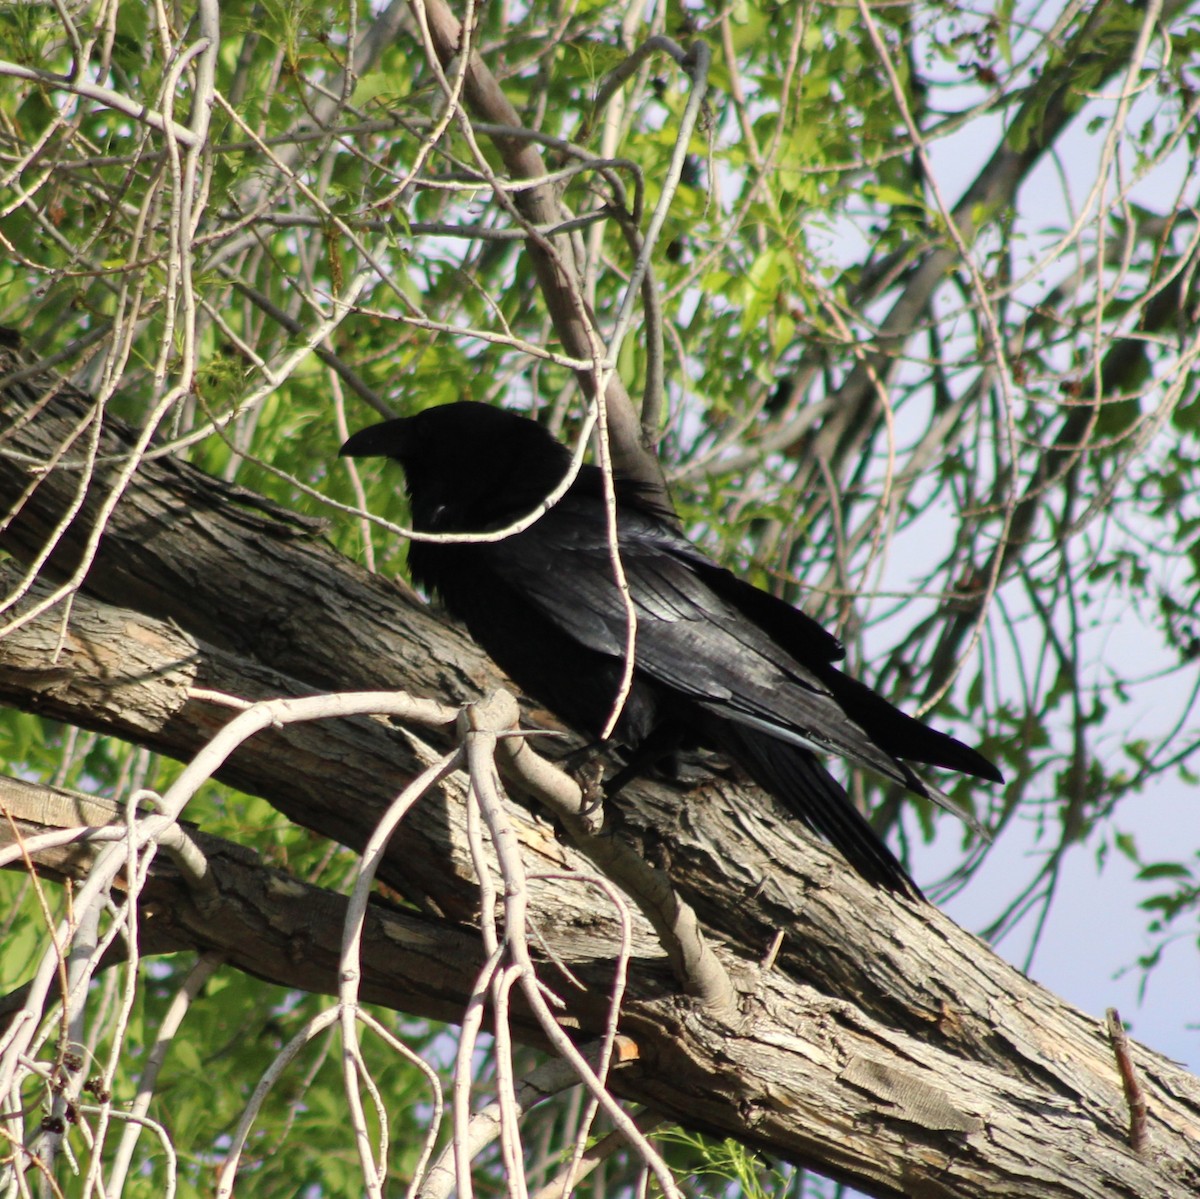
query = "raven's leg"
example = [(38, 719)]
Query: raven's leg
[(662, 742), (586, 765)]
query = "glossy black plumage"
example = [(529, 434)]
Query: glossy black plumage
[(718, 662)]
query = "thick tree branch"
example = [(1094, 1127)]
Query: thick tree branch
[(885, 1046), (261, 920)]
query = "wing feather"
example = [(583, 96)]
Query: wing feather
[(689, 638)]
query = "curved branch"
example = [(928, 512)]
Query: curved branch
[(921, 1054), (560, 284)]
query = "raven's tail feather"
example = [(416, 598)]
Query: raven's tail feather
[(798, 780), (902, 736)]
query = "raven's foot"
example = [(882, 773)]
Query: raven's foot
[(590, 777)]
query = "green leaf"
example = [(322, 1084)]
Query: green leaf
[(1163, 870)]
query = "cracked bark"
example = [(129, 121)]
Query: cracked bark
[(886, 1047)]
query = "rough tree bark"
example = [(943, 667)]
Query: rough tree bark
[(884, 1046)]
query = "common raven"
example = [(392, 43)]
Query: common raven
[(717, 661)]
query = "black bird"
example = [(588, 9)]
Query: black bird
[(717, 661)]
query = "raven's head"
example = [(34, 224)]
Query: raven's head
[(468, 467)]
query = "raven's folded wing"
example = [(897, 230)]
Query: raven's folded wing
[(689, 638)]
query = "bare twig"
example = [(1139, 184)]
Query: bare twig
[(1135, 1097), (593, 1156), (698, 969), (106, 96), (481, 723), (350, 967), (560, 283)]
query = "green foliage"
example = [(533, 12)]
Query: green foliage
[(714, 1168), (235, 1028), (977, 525)]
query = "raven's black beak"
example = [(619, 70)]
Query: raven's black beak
[(385, 440)]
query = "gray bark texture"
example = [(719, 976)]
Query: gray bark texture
[(883, 1045)]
